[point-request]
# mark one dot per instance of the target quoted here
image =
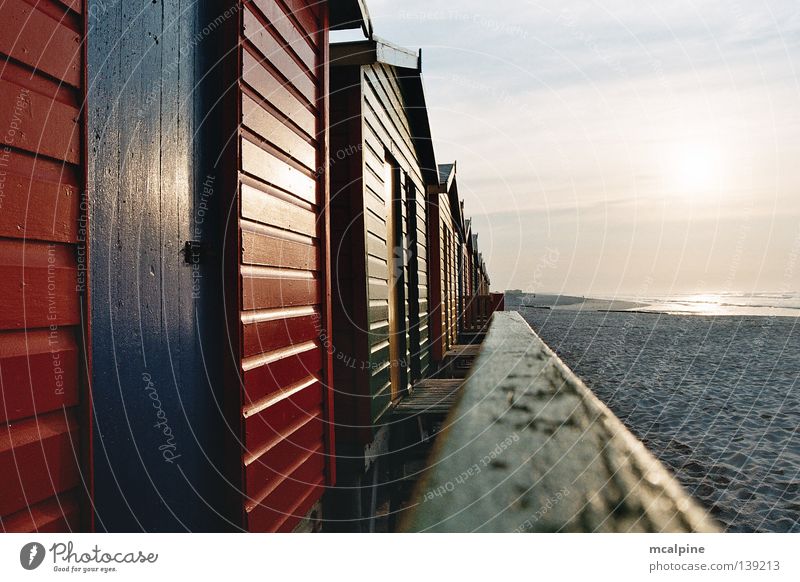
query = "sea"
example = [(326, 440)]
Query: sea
[(710, 384)]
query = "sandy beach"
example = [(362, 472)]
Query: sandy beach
[(715, 398)]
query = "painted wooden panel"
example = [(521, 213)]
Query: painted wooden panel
[(262, 245), (309, 15), (444, 279), (265, 375), (76, 5), (268, 165), (42, 41), (58, 514), (41, 267), (279, 56), (289, 141), (40, 198), (291, 499), (413, 243), (274, 329), (268, 207), (38, 284), (38, 372), (269, 423), (291, 35), (264, 288), (39, 459), (271, 90), (39, 124), (290, 450), (282, 261)]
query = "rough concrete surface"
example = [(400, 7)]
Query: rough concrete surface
[(528, 447)]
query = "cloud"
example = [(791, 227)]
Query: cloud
[(568, 113)]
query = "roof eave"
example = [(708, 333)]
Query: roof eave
[(408, 66), (375, 50), (350, 14), (417, 110)]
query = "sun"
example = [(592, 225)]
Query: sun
[(696, 168)]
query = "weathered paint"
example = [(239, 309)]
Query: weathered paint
[(44, 395)]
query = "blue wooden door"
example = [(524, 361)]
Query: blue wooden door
[(158, 425)]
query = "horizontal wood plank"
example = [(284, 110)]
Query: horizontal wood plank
[(292, 36), (299, 77), (37, 285), (41, 200), (57, 514), (40, 41), (269, 209), (264, 380), (38, 459), (38, 372), (271, 425), (274, 131), (38, 124), (264, 473), (308, 15), (273, 170), (270, 88), (291, 501), (267, 336)]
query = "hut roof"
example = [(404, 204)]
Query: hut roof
[(444, 172), (349, 14), (407, 64)]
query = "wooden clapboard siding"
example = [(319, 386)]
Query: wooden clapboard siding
[(370, 120), (283, 300), (350, 241), (414, 347), (45, 37), (42, 168), (451, 290), (444, 279)]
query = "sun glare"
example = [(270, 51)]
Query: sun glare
[(696, 168)]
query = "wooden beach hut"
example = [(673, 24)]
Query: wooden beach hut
[(445, 249), (188, 287), (469, 287), (382, 164), (465, 292)]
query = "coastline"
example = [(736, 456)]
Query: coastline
[(690, 305)]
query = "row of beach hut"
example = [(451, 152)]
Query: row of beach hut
[(228, 251)]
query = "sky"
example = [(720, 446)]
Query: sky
[(618, 148)]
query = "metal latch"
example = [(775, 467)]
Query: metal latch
[(192, 252)]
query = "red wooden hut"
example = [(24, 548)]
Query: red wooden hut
[(164, 241)]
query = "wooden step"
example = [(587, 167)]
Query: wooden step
[(463, 351), (431, 396)]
